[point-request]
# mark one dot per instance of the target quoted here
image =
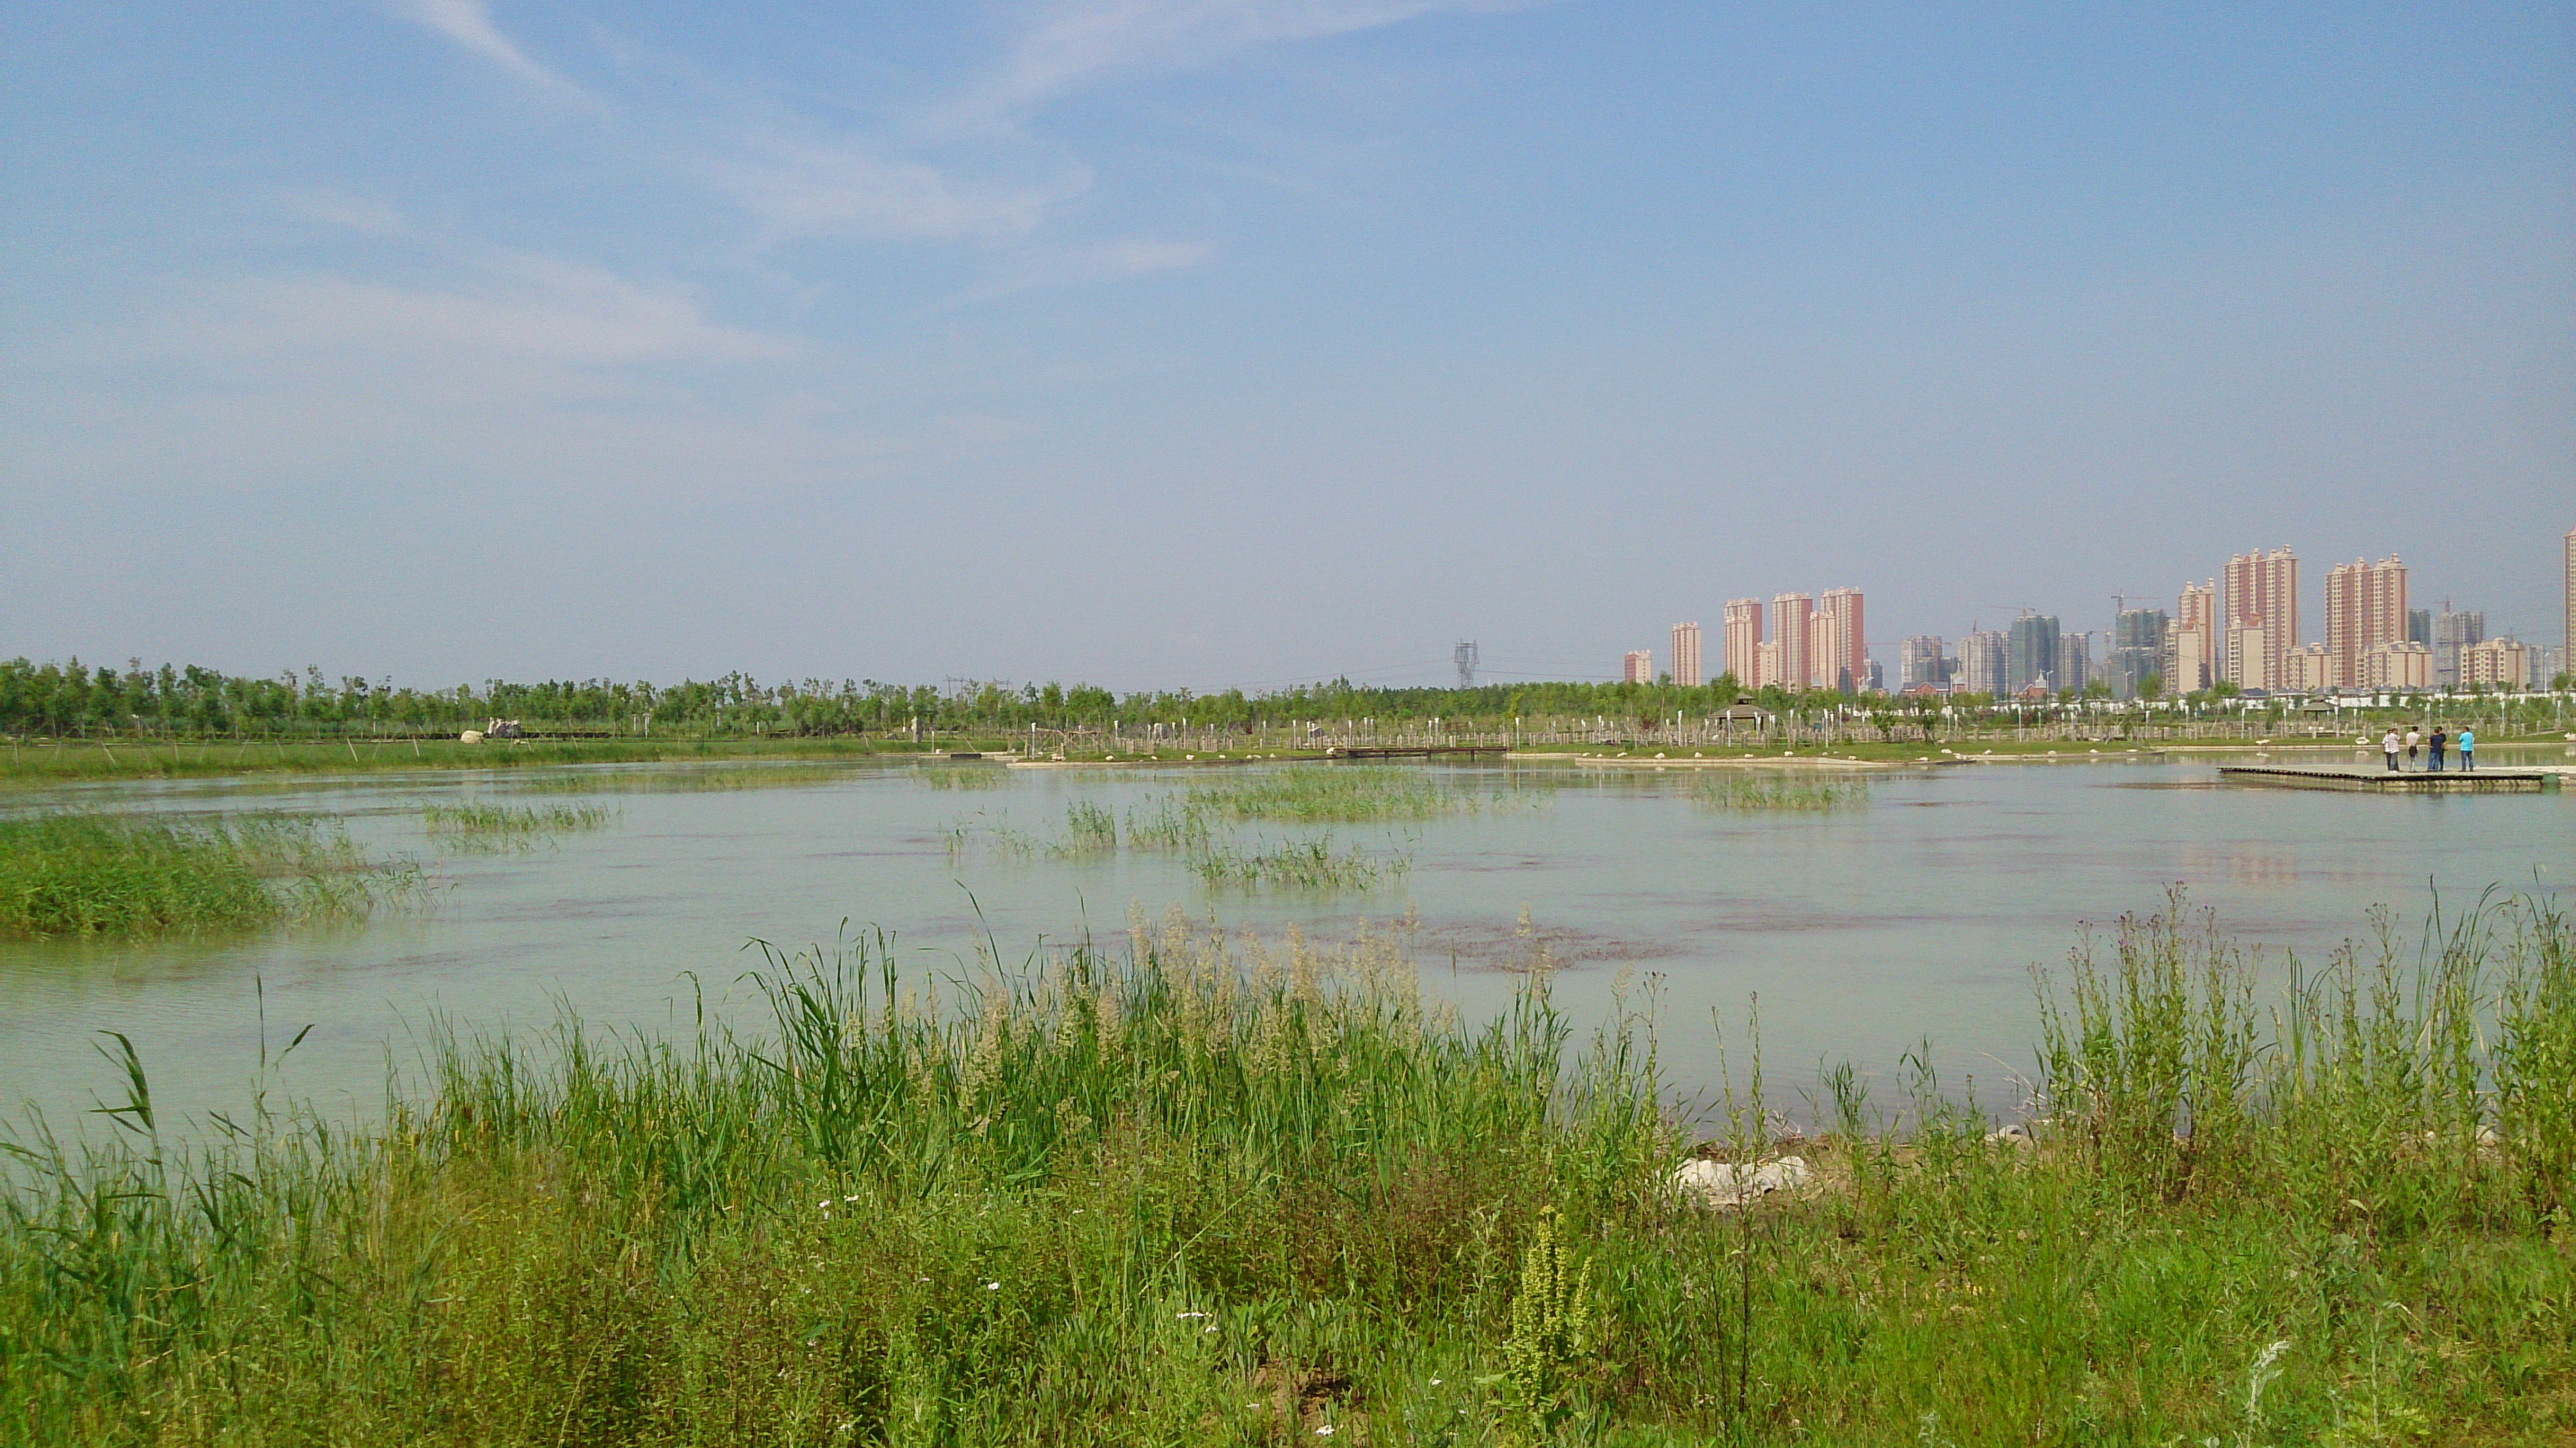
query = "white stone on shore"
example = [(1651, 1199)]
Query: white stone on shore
[(1724, 1184)]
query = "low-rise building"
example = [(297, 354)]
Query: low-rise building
[(2496, 663), (2398, 666), (2311, 670)]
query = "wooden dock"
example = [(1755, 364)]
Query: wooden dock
[(2383, 781)]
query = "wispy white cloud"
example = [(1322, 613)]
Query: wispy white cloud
[(1070, 44), (468, 23), (1106, 261), (348, 211), (848, 187), (511, 306), (1135, 256)]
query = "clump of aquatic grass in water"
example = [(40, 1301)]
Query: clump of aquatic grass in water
[(1298, 865), (1089, 832), (1171, 827), (972, 776), (503, 828), (1214, 1188), (1795, 794), (126, 875), (995, 836), (688, 778), (1318, 794)]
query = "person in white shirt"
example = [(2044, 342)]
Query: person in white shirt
[(2413, 739), (2388, 746)]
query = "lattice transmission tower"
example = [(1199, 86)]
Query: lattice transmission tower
[(1465, 654)]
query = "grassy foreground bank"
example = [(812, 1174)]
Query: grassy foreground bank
[(1216, 1190)]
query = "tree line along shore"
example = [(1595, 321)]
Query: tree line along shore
[(74, 701)]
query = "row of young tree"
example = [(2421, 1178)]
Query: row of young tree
[(75, 700)]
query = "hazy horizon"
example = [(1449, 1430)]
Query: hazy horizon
[(1241, 343)]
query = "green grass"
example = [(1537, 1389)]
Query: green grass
[(486, 828), (1183, 827), (68, 761), (1090, 832), (963, 776), (1309, 794), (1779, 793), (1222, 1190), (113, 876), (689, 778), (1171, 827), (1297, 865)]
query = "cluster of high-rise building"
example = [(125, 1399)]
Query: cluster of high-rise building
[(2243, 628), (1813, 642), (2239, 628)]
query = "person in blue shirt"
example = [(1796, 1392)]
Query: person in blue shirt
[(2468, 744), (2433, 749)]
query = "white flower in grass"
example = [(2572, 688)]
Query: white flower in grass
[(992, 1286)]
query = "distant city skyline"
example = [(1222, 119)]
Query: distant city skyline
[(2373, 636)]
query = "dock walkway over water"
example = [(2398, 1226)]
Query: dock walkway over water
[(2383, 781)]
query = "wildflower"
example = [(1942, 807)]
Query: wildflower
[(992, 1286), (1325, 1431), (1185, 1316)]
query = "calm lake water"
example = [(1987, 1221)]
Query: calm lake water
[(1864, 933)]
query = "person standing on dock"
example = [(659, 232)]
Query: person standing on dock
[(2414, 741), (2468, 747), (2433, 749), (2388, 746)]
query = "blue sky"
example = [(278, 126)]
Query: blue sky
[(1237, 342)]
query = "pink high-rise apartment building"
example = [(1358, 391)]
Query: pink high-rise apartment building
[(1839, 657), (1686, 670), (1742, 640), (2262, 617), (2365, 607), (1792, 621), (1638, 667), (2191, 645)]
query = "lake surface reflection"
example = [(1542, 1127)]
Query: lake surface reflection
[(1865, 933)]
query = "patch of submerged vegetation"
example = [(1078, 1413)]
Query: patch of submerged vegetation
[(1176, 827), (495, 829), (1217, 1189), (689, 778), (963, 776), (110, 875), (1297, 865), (1341, 794), (1780, 792)]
